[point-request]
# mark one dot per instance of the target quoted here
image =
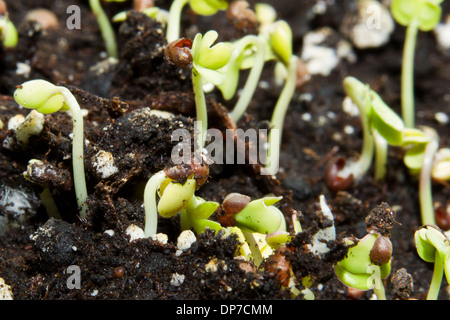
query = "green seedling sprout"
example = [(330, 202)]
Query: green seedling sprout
[(416, 15), (433, 246), (280, 35), (247, 48), (381, 127), (367, 263), (45, 98), (8, 32), (174, 197), (207, 62), (105, 27), (252, 217), (202, 7), (176, 188)]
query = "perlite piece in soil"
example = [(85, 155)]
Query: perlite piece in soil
[(5, 291)]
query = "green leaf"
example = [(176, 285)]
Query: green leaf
[(205, 209), (358, 257), (281, 39), (413, 158), (428, 240), (385, 270), (260, 216), (386, 121), (208, 7), (208, 56), (427, 13), (9, 34), (201, 225), (277, 239), (175, 197), (265, 13), (40, 95), (357, 281)]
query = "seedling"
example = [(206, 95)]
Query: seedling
[(48, 98), (280, 39), (415, 15), (433, 246), (176, 187), (8, 32), (105, 27), (381, 127), (206, 62), (248, 48), (367, 263), (252, 217), (202, 7)]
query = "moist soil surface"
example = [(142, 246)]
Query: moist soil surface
[(120, 98)]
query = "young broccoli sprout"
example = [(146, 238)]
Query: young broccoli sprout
[(45, 98), (381, 127), (367, 263), (415, 15), (252, 217), (202, 7), (280, 38), (206, 62), (105, 27), (433, 246), (176, 188)]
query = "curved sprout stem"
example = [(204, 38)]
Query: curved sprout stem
[(436, 280), (278, 116), (425, 191), (105, 28), (362, 101), (151, 210), (407, 82), (79, 178), (173, 25), (253, 77)]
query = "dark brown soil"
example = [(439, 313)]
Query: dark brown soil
[(34, 255)]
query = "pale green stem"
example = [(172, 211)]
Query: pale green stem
[(407, 81), (106, 28), (425, 182), (254, 248), (150, 206), (279, 113), (79, 178), (381, 150), (436, 280), (253, 77), (380, 292), (200, 105), (173, 25), (362, 165)]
